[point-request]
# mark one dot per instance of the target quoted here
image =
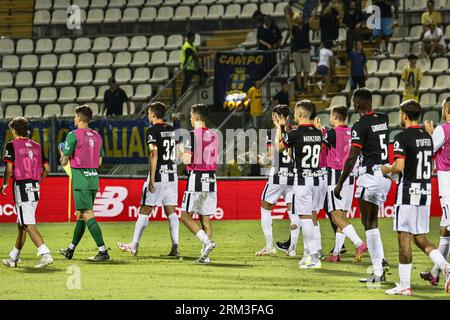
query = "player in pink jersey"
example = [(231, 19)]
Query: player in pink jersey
[(338, 140), (27, 165), (201, 151), (441, 142)]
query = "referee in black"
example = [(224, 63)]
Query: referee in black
[(114, 99)]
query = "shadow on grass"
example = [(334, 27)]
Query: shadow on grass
[(109, 262), (227, 265), (39, 271)]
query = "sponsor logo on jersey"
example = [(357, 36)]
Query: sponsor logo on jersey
[(90, 173), (208, 180)]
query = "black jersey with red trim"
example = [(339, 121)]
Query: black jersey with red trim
[(306, 144), (414, 145), (162, 136), (370, 134), (282, 170)]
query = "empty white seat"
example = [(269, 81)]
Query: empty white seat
[(94, 107), (122, 59), (377, 101), (28, 95), (82, 45), (138, 43), (394, 120), (424, 65), (164, 14), (101, 93), (158, 58), (432, 116), (135, 3), (416, 48), (399, 33), (48, 62), (267, 8), (95, 16), (130, 15), (63, 45), (59, 17), (67, 94), (373, 84), (443, 96), (42, 4), (338, 101), (419, 5), (141, 75), (428, 100), (440, 65), (24, 46), (415, 33), (41, 17), (182, 13), (102, 4), (128, 90), (83, 4), (116, 3), (43, 79), (132, 109), (83, 77), (29, 62), (233, 11), (143, 92), (86, 60), (61, 4), (148, 14), (159, 75), (69, 109), (48, 95), (86, 94), (402, 49), (387, 66), (372, 66), (171, 2), (174, 58), (389, 84), (63, 78), (6, 46), (23, 79), (156, 42), (6, 79), (10, 62), (426, 84), (101, 44), (140, 59), (155, 3), (189, 2), (104, 60), (248, 10), (199, 12), (216, 11), (391, 101), (354, 117), (119, 43), (113, 15), (250, 40), (122, 75), (33, 111), (13, 111), (400, 65), (174, 41), (279, 9), (102, 76), (51, 110), (67, 61), (9, 96)]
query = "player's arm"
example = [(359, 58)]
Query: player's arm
[(396, 167), (45, 165), (7, 175), (69, 148), (153, 161), (281, 125), (188, 149)]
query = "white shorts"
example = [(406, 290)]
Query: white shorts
[(202, 203), (445, 205), (412, 219), (273, 192), (345, 203), (372, 188), (26, 213), (320, 193), (166, 194), (303, 199)]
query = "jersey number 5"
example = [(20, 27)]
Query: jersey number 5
[(384, 147)]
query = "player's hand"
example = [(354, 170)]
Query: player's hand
[(337, 191), (4, 189), (385, 170), (429, 127), (151, 186)]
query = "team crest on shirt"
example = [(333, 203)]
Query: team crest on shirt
[(30, 154), (354, 134)]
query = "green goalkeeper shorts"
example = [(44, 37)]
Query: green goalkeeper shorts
[(84, 199)]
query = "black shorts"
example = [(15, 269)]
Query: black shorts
[(358, 82)]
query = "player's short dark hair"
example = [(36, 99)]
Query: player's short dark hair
[(412, 109), (284, 81), (308, 106), (158, 108), (201, 110), (21, 126), (84, 112), (412, 56), (282, 110), (365, 96), (190, 35), (111, 81), (341, 112)]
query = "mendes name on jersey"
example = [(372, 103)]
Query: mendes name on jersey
[(282, 170), (416, 147), (162, 136)]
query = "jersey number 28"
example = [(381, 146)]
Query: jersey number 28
[(312, 156)]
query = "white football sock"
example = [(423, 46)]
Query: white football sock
[(102, 248), (309, 236), (404, 271), (43, 250), (174, 225), (141, 225), (14, 254), (444, 246), (350, 233), (266, 224), (340, 238), (202, 236), (294, 233), (438, 259), (305, 246), (375, 247), (318, 236), (72, 246)]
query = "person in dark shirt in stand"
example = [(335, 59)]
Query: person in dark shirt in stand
[(385, 30), (358, 69), (114, 99), (353, 21), (329, 21), (269, 37), (282, 96)]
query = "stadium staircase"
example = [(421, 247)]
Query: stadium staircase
[(16, 18)]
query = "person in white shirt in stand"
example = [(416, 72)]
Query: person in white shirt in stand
[(325, 68), (433, 41)]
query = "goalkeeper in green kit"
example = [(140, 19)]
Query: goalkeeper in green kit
[(83, 148)]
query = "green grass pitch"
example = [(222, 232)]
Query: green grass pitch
[(235, 273)]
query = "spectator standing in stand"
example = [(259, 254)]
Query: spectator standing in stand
[(353, 21)]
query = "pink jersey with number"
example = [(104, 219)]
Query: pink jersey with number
[(27, 160), (204, 148), (323, 152), (338, 154), (87, 150), (442, 156)]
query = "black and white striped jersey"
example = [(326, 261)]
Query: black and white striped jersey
[(26, 191), (416, 147), (162, 136), (282, 170), (201, 181), (333, 176)]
